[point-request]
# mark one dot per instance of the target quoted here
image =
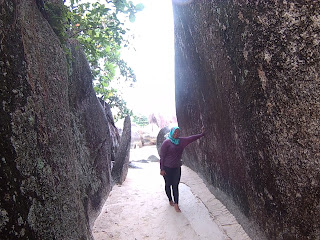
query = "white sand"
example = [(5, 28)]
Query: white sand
[(139, 208)]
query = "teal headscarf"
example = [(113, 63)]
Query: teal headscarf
[(173, 140)]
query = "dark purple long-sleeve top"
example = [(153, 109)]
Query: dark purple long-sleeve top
[(170, 154)]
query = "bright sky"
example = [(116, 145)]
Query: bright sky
[(153, 60)]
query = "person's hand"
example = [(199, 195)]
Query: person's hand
[(162, 172)]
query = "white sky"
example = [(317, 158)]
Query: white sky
[(153, 60)]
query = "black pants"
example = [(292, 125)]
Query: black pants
[(172, 179)]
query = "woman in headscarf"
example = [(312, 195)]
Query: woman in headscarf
[(170, 162)]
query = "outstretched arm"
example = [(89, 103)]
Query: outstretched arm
[(187, 140)]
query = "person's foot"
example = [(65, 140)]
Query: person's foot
[(176, 207), (171, 203)]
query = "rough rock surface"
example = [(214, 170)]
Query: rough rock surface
[(93, 139), (55, 143), (161, 137), (121, 164), (114, 132), (249, 72), (153, 158)]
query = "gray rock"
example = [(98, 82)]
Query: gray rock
[(142, 161), (114, 132), (153, 158), (120, 168), (161, 137), (92, 139), (249, 72), (55, 142), (134, 165)]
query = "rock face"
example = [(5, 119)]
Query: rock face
[(93, 139), (114, 132), (55, 142), (249, 72), (121, 164), (153, 158), (161, 137)]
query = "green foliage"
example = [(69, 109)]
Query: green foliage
[(120, 104), (100, 29), (56, 15), (140, 120)]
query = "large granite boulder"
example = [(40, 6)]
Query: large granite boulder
[(249, 72), (121, 164), (161, 137), (55, 142), (114, 132), (94, 139)]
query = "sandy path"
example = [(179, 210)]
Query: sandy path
[(139, 209)]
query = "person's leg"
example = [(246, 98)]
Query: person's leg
[(175, 188), (168, 183)]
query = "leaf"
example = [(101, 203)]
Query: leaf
[(96, 88), (139, 7), (132, 17), (110, 94), (105, 84)]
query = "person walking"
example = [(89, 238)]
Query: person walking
[(170, 162)]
